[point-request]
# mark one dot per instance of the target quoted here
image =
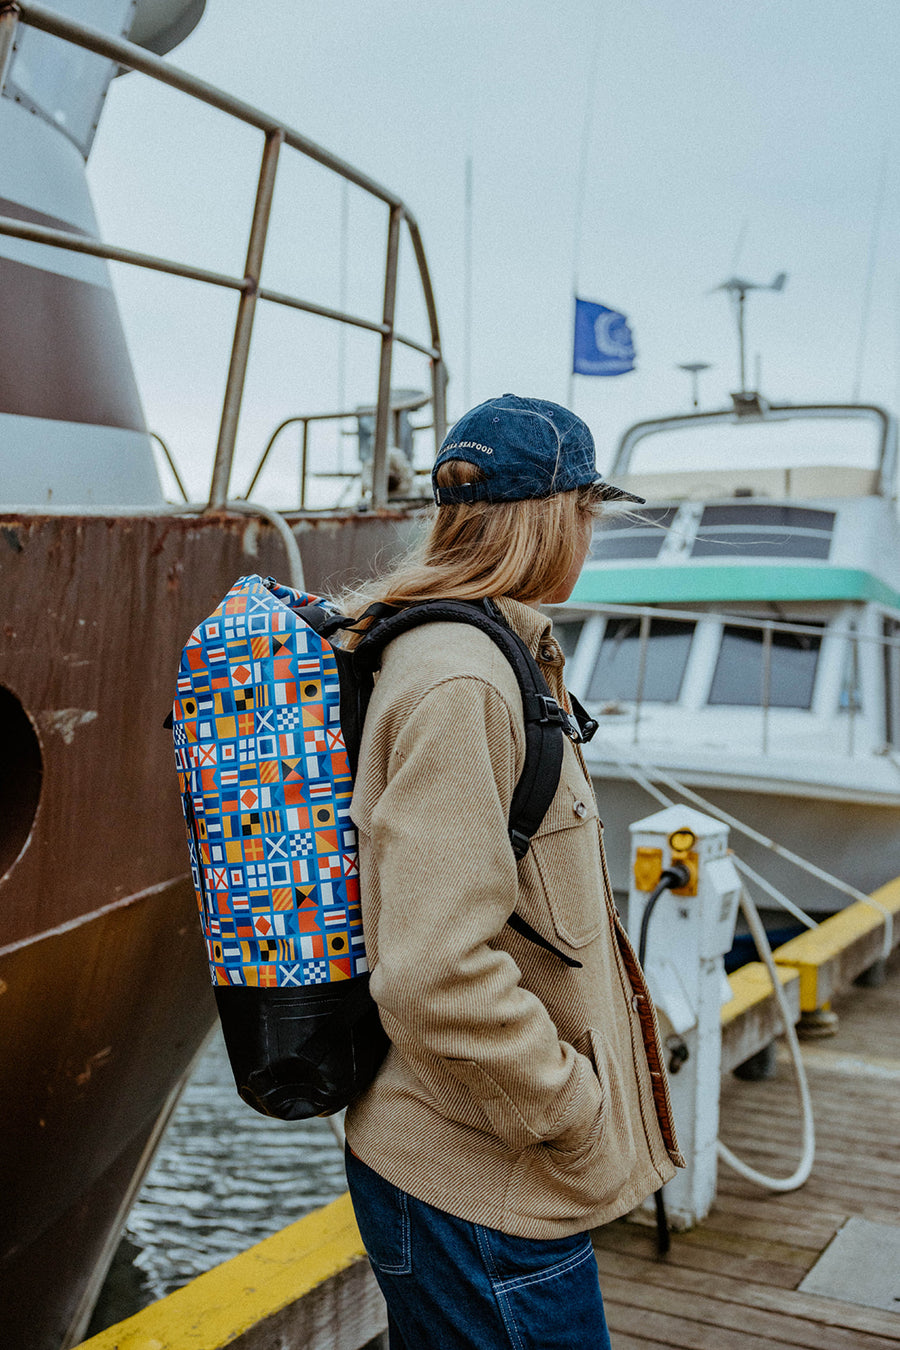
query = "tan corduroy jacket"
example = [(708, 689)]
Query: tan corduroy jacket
[(518, 1092)]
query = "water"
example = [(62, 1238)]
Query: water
[(224, 1178)]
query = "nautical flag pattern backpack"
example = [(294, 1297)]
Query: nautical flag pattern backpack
[(267, 723)]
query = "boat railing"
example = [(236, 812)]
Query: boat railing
[(849, 698), (306, 420), (759, 410), (276, 135)]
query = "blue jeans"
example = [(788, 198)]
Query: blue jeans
[(453, 1285)]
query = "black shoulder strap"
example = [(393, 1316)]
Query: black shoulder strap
[(543, 717), (544, 720)]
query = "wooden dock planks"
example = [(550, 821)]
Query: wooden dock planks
[(732, 1282)]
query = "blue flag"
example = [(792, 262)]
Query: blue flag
[(603, 342)]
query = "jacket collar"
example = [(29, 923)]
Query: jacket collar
[(532, 626)]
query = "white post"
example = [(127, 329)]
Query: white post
[(688, 934)]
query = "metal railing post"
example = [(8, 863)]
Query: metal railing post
[(854, 692), (304, 451), (382, 410), (237, 370), (155, 436), (438, 368), (439, 401), (9, 22), (642, 671), (766, 685)]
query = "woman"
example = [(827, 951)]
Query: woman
[(523, 1101)]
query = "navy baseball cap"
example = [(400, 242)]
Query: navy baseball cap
[(524, 447)]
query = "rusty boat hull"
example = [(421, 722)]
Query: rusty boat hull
[(104, 988)]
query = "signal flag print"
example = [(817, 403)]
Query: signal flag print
[(251, 915)]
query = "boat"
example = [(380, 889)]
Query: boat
[(104, 987), (738, 640)]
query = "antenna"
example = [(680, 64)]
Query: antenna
[(694, 368), (467, 288), (738, 289)]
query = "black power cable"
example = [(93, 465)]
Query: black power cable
[(673, 878)]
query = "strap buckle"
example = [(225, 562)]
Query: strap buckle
[(544, 708), (520, 843), (449, 496), (580, 731)]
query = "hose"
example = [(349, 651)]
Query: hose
[(797, 1178), (673, 877)]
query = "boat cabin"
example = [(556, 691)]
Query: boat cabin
[(741, 633)]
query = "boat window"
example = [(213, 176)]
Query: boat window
[(632, 534), (892, 681), (21, 772), (567, 632), (766, 531), (617, 669), (738, 677)]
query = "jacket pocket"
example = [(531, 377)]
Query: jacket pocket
[(566, 852), (550, 1182)]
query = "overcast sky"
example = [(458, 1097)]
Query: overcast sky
[(757, 136)]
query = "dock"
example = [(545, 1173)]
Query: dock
[(731, 1283)]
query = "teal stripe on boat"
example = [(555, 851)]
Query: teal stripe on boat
[(601, 583)]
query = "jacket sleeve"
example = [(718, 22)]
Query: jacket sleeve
[(446, 875)]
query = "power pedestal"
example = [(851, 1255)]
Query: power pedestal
[(690, 930)]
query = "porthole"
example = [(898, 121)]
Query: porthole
[(21, 772)]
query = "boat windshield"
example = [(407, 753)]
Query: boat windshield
[(632, 534), (769, 444), (740, 676), (617, 675)]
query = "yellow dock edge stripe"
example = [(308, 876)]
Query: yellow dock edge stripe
[(216, 1308), (816, 947), (751, 985)]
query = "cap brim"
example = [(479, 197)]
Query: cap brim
[(610, 493)]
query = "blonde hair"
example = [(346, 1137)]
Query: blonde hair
[(522, 549)]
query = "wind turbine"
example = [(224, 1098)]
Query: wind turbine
[(739, 288)]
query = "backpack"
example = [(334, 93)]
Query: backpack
[(267, 723)]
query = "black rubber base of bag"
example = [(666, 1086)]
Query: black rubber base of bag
[(301, 1052)]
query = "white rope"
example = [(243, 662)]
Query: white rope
[(641, 777), (804, 1167), (789, 855), (761, 941), (775, 893), (643, 781)]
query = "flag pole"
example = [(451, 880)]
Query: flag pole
[(467, 287), (570, 390), (586, 129)]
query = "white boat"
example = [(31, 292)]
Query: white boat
[(740, 636)]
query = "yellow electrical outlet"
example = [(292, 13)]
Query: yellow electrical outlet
[(648, 866), (691, 862)]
